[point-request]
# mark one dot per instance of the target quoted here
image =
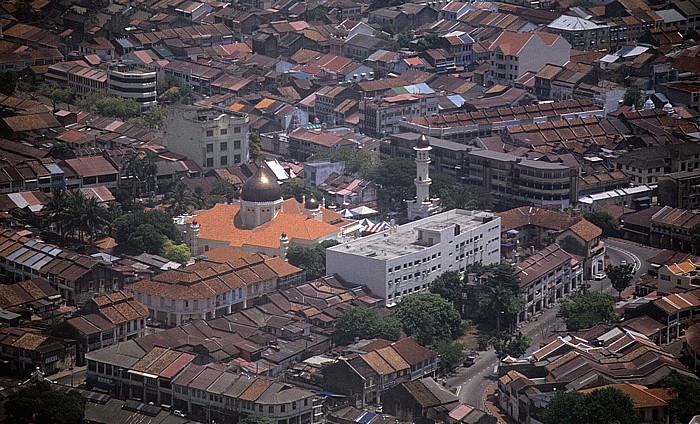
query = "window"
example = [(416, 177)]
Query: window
[(236, 158), (210, 162), (223, 146), (223, 160), (237, 130), (283, 407), (237, 144), (210, 147), (223, 131), (210, 133)]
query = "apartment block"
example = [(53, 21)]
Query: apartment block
[(211, 137), (409, 257)]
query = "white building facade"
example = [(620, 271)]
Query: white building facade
[(212, 138), (408, 258), (131, 83)]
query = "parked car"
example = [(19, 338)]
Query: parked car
[(623, 263), (600, 276)]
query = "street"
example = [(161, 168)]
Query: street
[(474, 380)]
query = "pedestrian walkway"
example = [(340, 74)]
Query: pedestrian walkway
[(66, 373)]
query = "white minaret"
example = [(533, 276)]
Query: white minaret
[(423, 205)]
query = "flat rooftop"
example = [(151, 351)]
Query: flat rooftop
[(403, 239)]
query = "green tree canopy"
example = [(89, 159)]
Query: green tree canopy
[(604, 220), (297, 189), (633, 97), (449, 286), (126, 224), (8, 83), (394, 178), (147, 239), (107, 104), (450, 352), (310, 259), (606, 405), (250, 419), (584, 310), (364, 323), (686, 404), (356, 160), (620, 276), (254, 146), (41, 404), (459, 196), (404, 39), (176, 252), (501, 299), (513, 345), (429, 318), (427, 42), (55, 93)]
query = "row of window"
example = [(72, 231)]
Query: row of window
[(223, 131)]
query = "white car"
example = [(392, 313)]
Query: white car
[(600, 276)]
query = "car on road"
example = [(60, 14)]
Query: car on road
[(470, 359), (623, 262), (599, 276)]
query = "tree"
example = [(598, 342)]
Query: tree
[(251, 419), (632, 97), (59, 150), (41, 404), (584, 310), (620, 277), (140, 170), (604, 220), (686, 390), (180, 199), (55, 93), (224, 188), (364, 323), (152, 119), (459, 196), (147, 239), (429, 318), (449, 286), (107, 104), (8, 83), (394, 179), (427, 42), (440, 181), (128, 223), (356, 160), (312, 260), (404, 39), (605, 405), (254, 146), (176, 252), (513, 345), (450, 353), (501, 298), (297, 189)]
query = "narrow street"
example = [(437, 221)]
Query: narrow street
[(473, 381)]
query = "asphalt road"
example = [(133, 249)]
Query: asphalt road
[(473, 381)]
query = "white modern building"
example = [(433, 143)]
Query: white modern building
[(409, 257), (131, 83), (636, 197), (211, 137)]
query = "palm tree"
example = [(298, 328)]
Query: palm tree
[(55, 210), (180, 199), (140, 170)]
